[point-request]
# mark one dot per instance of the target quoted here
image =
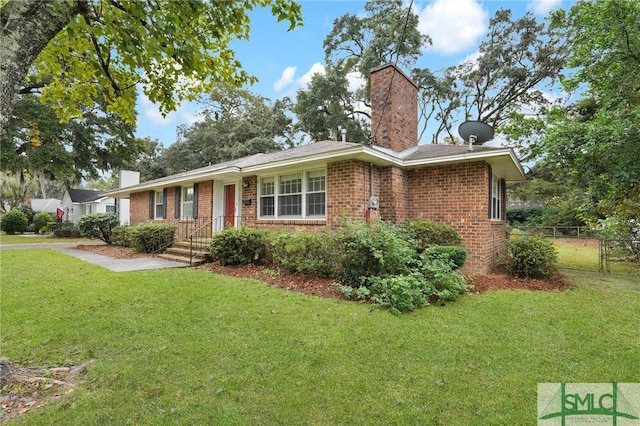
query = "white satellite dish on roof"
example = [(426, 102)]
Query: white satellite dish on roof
[(475, 132)]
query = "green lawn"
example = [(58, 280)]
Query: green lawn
[(34, 239), (585, 254), (184, 346)]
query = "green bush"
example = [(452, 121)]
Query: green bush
[(66, 232), (153, 237), (399, 293), (372, 250), (426, 234), (98, 225), (14, 221), (239, 246), (444, 283), (456, 255), (532, 257), (305, 253), (124, 236), (40, 221)]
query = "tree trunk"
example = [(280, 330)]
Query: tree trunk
[(27, 27)]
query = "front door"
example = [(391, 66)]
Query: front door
[(229, 205)]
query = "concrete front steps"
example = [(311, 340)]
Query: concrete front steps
[(180, 252)]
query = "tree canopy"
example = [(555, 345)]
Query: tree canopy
[(172, 50), (236, 123), (595, 138)]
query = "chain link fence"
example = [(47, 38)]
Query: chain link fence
[(581, 249)]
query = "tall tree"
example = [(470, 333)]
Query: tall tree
[(386, 32), (174, 50), (504, 84), (236, 123), (84, 148), (595, 139)]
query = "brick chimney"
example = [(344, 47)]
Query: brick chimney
[(394, 110)]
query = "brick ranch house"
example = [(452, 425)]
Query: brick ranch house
[(313, 187)]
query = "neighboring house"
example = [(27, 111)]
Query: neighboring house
[(315, 186), (79, 202), (48, 205)]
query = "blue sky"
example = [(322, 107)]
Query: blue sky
[(284, 61)]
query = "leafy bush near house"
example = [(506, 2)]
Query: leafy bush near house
[(152, 237), (532, 257), (239, 246), (310, 254), (124, 235), (98, 225), (456, 255), (40, 221), (426, 234), (376, 249), (14, 221)]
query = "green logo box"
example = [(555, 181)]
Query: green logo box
[(574, 404)]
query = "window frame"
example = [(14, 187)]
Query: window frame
[(157, 204), (496, 200), (183, 201), (278, 193)]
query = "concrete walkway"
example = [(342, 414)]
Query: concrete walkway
[(116, 265)]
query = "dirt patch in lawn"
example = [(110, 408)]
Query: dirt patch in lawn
[(26, 389)]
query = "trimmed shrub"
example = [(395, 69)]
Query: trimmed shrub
[(305, 253), (124, 236), (532, 257), (456, 255), (98, 225), (67, 232), (426, 234), (41, 220), (14, 221), (372, 250), (153, 237), (239, 246)]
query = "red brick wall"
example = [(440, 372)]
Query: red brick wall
[(457, 195), (394, 113), (139, 208), (394, 195)]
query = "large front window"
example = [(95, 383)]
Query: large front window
[(295, 195), (187, 202)]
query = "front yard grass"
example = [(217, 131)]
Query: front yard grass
[(37, 239), (184, 346)]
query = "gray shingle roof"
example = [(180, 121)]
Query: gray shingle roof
[(83, 195)]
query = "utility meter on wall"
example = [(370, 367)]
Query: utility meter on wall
[(373, 202)]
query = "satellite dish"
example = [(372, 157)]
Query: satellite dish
[(475, 132)]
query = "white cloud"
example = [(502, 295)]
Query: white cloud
[(285, 79), (288, 84), (543, 7), (186, 113), (454, 26), (356, 81), (304, 81)]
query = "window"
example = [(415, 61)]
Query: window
[(316, 182), (110, 209), (295, 195), (267, 197), (495, 208), (187, 202), (290, 195), (159, 203)]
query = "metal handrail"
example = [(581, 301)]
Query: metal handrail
[(191, 237)]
